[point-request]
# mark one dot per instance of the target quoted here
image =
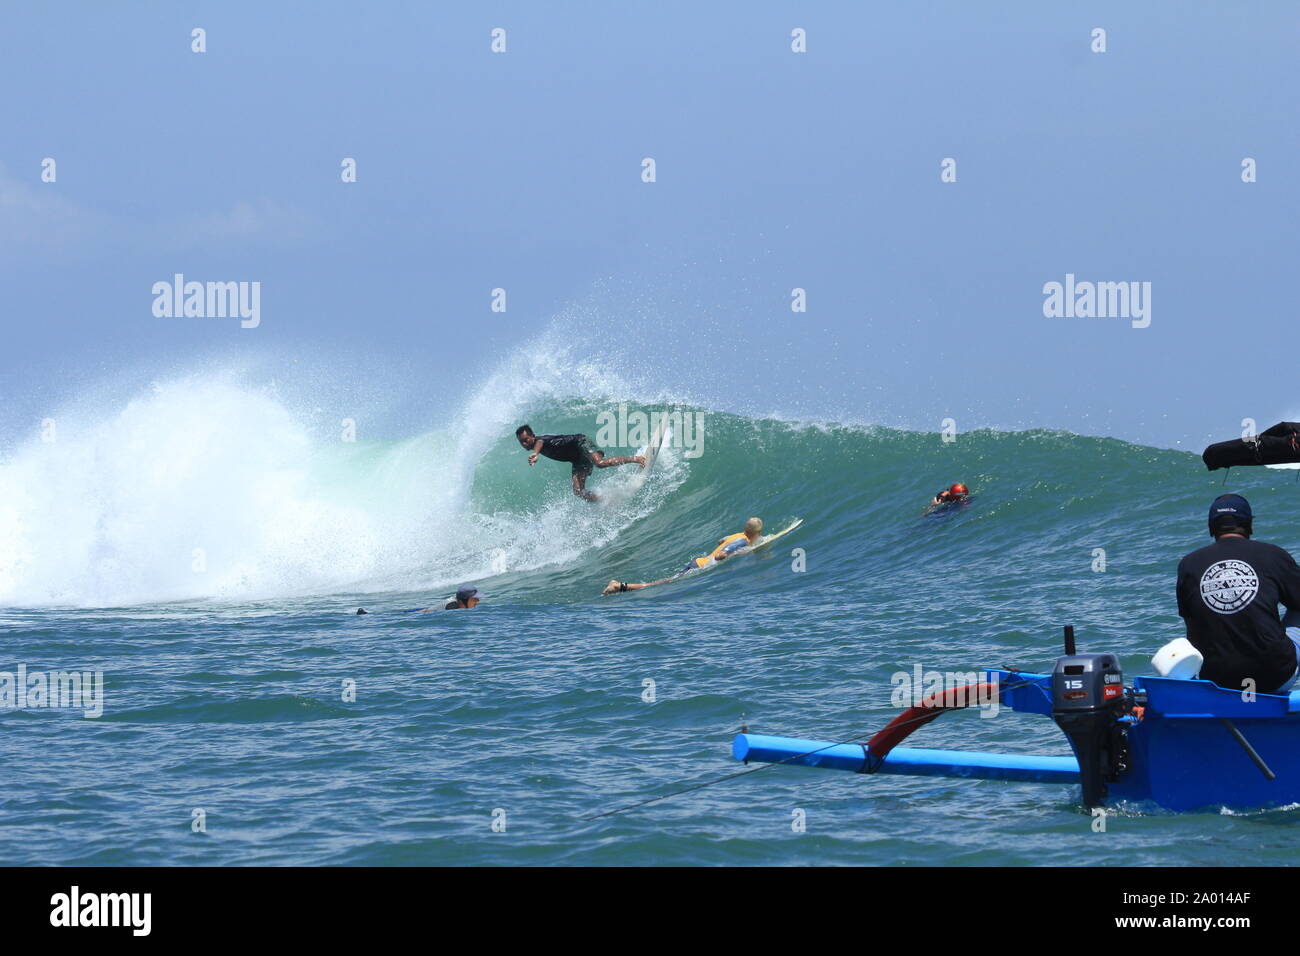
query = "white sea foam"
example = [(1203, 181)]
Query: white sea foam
[(209, 487)]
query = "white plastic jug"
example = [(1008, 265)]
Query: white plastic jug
[(1179, 660)]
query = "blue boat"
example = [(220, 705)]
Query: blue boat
[(1178, 744)]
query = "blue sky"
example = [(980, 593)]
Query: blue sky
[(776, 170)]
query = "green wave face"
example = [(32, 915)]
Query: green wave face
[(1043, 505), (211, 491)]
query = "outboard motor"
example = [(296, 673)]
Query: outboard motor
[(1088, 700)]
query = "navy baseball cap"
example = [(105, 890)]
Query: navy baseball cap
[(1233, 506), (465, 593)]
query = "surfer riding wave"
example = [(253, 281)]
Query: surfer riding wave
[(577, 450)]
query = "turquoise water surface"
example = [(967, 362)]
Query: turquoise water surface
[(243, 685)]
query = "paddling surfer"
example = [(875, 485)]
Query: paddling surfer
[(577, 450), (726, 548), (952, 495), (1228, 593), (466, 598)]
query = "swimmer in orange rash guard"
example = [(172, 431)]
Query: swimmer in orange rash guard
[(950, 495), (954, 493), (726, 547)]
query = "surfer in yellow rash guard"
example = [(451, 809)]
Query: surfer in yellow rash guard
[(726, 547)]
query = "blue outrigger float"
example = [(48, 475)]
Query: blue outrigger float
[(1179, 744)]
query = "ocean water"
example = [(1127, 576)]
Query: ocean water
[(206, 546)]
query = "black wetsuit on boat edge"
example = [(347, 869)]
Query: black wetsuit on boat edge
[(575, 449), (1228, 593)]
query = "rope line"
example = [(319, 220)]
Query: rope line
[(855, 739)]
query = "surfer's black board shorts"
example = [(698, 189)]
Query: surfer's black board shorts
[(584, 463), (575, 449)]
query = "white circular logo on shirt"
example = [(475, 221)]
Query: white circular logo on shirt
[(1228, 586)]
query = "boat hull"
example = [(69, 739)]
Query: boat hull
[(1184, 754)]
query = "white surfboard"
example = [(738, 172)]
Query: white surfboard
[(762, 543), (767, 539), (651, 451)]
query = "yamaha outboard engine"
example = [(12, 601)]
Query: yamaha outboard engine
[(1088, 700)]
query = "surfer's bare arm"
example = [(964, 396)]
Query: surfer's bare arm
[(614, 586), (537, 450)]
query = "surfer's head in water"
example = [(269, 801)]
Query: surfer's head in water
[(957, 492), (753, 528), (1231, 515), (466, 597)]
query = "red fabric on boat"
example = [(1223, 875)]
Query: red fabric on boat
[(954, 698)]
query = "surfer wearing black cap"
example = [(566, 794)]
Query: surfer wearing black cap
[(466, 597), (577, 450), (1228, 593)]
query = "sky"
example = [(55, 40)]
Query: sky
[(775, 170)]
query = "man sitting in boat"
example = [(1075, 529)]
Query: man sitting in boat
[(726, 547), (1228, 593)]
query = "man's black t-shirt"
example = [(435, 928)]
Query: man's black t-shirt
[(570, 448), (1228, 593)]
